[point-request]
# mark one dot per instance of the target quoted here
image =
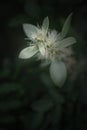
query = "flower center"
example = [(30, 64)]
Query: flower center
[(40, 37)]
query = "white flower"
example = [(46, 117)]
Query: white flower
[(49, 45)]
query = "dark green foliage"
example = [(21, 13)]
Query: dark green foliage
[(43, 105)]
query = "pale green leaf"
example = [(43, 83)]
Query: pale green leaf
[(66, 42), (28, 52), (66, 26), (30, 29), (58, 73), (41, 48), (45, 24)]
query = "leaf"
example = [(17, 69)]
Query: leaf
[(66, 42), (58, 73), (7, 88), (42, 105), (10, 105), (28, 52), (66, 26), (45, 24), (30, 29), (56, 96), (32, 120), (41, 48), (10, 96), (37, 119), (56, 114)]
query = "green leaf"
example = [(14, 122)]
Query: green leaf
[(8, 88), (58, 73), (32, 120), (30, 29), (42, 105), (10, 105), (28, 52), (10, 96), (42, 48), (45, 24), (66, 26), (57, 97), (66, 42)]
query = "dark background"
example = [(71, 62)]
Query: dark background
[(28, 98)]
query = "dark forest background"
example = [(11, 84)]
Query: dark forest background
[(28, 98)]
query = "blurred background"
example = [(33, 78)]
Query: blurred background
[(28, 98)]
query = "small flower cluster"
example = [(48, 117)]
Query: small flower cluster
[(48, 44)]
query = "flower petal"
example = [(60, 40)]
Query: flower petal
[(28, 52), (58, 73), (41, 48), (45, 24), (66, 42), (66, 26), (30, 29)]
